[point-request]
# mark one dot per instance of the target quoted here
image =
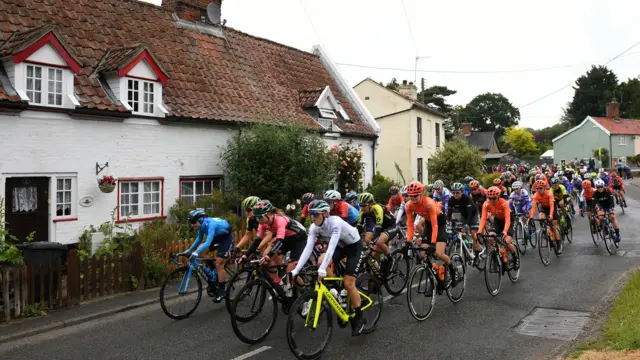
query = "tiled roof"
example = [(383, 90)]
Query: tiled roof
[(117, 58), (239, 78), (480, 139), (620, 126), (308, 98)]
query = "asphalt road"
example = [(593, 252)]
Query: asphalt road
[(479, 327)]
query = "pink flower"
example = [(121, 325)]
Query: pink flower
[(343, 163), (339, 172)]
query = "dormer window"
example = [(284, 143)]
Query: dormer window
[(135, 78), (41, 67)]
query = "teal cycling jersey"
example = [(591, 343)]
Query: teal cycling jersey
[(212, 227)]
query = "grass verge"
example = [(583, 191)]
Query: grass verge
[(622, 329)]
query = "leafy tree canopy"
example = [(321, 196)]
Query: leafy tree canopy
[(491, 112), (520, 141), (593, 91)]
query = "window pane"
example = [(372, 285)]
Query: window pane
[(38, 85), (51, 99), (30, 84), (156, 186), (146, 198), (146, 209), (60, 184), (155, 197), (30, 71), (134, 210), (187, 188), (124, 187), (38, 72), (59, 75), (58, 86), (134, 198), (150, 109), (58, 99), (51, 86), (38, 97), (208, 187), (25, 199), (199, 187), (134, 187), (59, 197), (147, 186), (156, 208), (67, 196), (67, 209)]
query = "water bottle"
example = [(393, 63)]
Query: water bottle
[(212, 274), (288, 290), (335, 294), (343, 298)]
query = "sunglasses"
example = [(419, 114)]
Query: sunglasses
[(456, 192), (600, 187), (494, 198), (314, 213)]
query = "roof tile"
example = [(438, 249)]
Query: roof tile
[(620, 126)]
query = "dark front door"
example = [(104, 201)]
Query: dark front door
[(27, 207)]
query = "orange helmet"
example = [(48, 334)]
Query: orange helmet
[(539, 184), (586, 184), (494, 192), (474, 184), (415, 188), (497, 182)]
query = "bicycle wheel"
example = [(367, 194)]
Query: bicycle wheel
[(607, 237), (544, 246), (423, 282), (594, 232), (621, 204), (367, 284), (568, 231), (520, 239), (514, 274), (398, 272), (533, 235), (235, 283), (257, 294), (454, 293), (303, 312), (181, 279), (494, 266)]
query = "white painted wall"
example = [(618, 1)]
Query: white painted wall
[(637, 144), (47, 55), (143, 70)]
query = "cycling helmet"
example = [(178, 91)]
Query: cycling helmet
[(394, 190), (351, 196), (516, 185), (429, 187), (438, 185), (308, 197), (457, 187), (494, 192), (560, 173), (415, 188), (605, 174), (468, 179), (599, 183), (332, 195), (508, 174), (319, 206), (583, 170), (249, 202), (403, 191), (196, 215), (587, 176), (365, 198), (474, 184), (539, 184), (539, 177), (555, 181), (586, 184), (497, 181), (262, 207)]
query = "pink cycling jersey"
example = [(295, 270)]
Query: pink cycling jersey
[(278, 228)]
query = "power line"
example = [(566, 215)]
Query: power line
[(406, 17), (571, 83), (476, 71)]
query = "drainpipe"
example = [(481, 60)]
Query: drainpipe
[(373, 165), (610, 151)]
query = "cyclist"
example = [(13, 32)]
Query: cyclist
[(617, 187), (306, 199), (278, 234), (478, 193), (218, 233), (497, 182), (252, 225), (352, 199), (604, 199), (586, 196), (395, 200), (589, 177), (560, 194), (379, 226), (344, 242), (499, 208), (545, 198), (467, 189), (507, 180), (340, 207), (429, 191), (441, 194), (604, 176), (469, 211), (435, 228), (401, 212), (519, 196)]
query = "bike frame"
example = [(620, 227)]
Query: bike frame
[(323, 293)]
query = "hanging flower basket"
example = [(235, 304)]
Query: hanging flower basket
[(107, 184)]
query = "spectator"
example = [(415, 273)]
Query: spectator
[(620, 166)]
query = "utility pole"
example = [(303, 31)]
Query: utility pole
[(415, 72)]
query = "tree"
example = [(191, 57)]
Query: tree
[(393, 85), (546, 135), (454, 161), (436, 97), (593, 91), (277, 163), (629, 95), (491, 112), (453, 124), (602, 154), (520, 141)]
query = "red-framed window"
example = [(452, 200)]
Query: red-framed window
[(140, 199), (192, 188)]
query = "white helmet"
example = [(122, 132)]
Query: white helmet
[(587, 176), (516, 185), (599, 183), (583, 170), (332, 195)]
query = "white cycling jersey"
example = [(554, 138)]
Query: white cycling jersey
[(340, 233), (401, 212)]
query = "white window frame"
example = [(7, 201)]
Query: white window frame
[(44, 84), (73, 199), (142, 199), (622, 140), (328, 114), (143, 94), (194, 196)]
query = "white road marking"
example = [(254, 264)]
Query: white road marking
[(251, 353)]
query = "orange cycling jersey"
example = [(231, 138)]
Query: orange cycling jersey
[(545, 199), (588, 193), (395, 200), (500, 210), (428, 209)]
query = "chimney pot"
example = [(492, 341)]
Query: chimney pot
[(466, 128), (190, 10), (408, 90), (613, 110), (404, 82)]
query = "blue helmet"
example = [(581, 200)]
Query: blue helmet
[(468, 179), (351, 196), (196, 215)]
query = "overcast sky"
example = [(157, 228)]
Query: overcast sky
[(459, 36)]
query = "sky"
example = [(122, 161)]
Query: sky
[(470, 46)]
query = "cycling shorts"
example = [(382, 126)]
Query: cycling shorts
[(224, 243), (354, 255), (442, 230), (499, 227), (294, 244), (547, 211), (370, 226)]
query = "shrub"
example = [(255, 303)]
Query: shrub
[(9, 253), (349, 166), (278, 163), (454, 161), (487, 179), (379, 188), (219, 204)]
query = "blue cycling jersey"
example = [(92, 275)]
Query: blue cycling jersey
[(577, 184), (212, 227), (443, 198), (521, 199), (353, 214), (356, 205), (467, 189), (567, 184)]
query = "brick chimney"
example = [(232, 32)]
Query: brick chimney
[(409, 90), (613, 110), (466, 129), (190, 10)]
